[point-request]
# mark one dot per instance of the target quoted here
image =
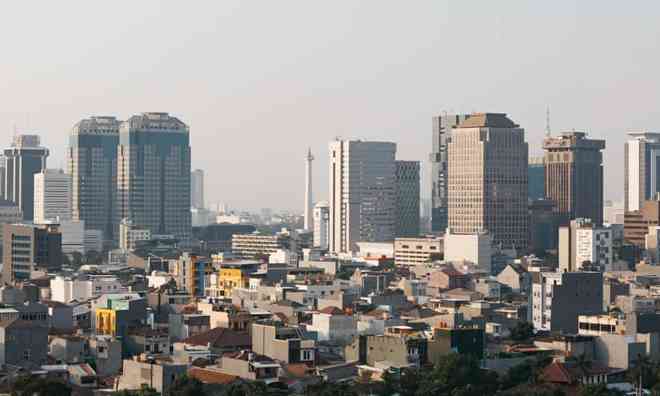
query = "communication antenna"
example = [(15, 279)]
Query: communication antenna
[(547, 121)]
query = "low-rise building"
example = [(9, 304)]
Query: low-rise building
[(251, 366), (158, 374), (23, 343), (416, 251), (283, 343), (332, 324)]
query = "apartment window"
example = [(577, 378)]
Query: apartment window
[(26, 354)]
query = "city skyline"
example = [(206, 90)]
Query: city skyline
[(293, 81)]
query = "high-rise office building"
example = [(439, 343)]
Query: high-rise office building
[(362, 193), (642, 168), (321, 224), (92, 164), (153, 174), (442, 126), (23, 159), (536, 178), (309, 193), (574, 175), (52, 196), (197, 189), (2, 176), (583, 244), (407, 199), (487, 164), (27, 248)]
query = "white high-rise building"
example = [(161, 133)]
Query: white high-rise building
[(52, 196), (642, 168), (309, 194), (362, 193), (321, 224), (197, 189), (583, 242)]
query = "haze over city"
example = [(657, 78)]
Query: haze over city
[(260, 82)]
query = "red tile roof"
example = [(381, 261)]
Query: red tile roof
[(209, 376)]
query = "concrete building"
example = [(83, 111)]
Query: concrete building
[(544, 224), (23, 344), (28, 247), (407, 199), (23, 160), (153, 178), (574, 175), (83, 288), (471, 247), (362, 193), (442, 126), (9, 214), (92, 164), (558, 299), (598, 325), (130, 234), (642, 168), (251, 366), (321, 224), (488, 180), (282, 343), (52, 196), (332, 324), (191, 272), (417, 251), (249, 246), (197, 189), (536, 179), (309, 193), (652, 245), (583, 242), (158, 374), (636, 223)]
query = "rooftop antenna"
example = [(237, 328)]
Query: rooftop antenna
[(547, 121)]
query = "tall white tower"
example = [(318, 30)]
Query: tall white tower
[(309, 205)]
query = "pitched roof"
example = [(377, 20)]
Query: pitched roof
[(331, 311), (488, 120), (210, 376), (220, 337)]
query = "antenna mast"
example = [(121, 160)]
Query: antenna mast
[(547, 121)]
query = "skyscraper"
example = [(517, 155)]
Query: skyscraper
[(442, 126), (52, 196), (642, 168), (153, 174), (362, 193), (309, 194), (407, 198), (197, 189), (92, 164), (487, 165), (23, 159), (574, 176), (536, 178), (321, 224), (2, 176)]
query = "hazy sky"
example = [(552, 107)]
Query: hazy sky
[(260, 81)]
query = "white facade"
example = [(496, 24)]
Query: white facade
[(129, 234), (321, 224), (66, 290), (652, 243), (474, 248), (582, 241), (197, 189), (52, 196), (417, 251), (73, 236), (542, 299), (642, 168), (362, 193), (309, 193), (594, 245), (334, 327), (283, 256)]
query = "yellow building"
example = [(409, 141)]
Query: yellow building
[(231, 274), (106, 321)]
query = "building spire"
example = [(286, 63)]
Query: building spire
[(547, 122), (309, 199)]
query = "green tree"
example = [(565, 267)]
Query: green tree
[(522, 331), (145, 390), (648, 370), (186, 386), (458, 375), (28, 386), (330, 389), (598, 390)]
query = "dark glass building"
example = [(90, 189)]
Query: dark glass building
[(23, 159)]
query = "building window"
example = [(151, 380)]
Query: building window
[(26, 354)]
